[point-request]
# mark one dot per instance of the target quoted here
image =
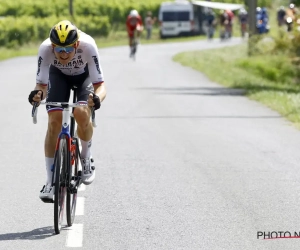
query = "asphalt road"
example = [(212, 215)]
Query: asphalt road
[(182, 163)]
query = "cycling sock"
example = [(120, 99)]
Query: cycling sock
[(85, 148), (49, 164)]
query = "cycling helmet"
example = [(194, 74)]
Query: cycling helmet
[(64, 33), (134, 13), (292, 6), (258, 9), (242, 11)]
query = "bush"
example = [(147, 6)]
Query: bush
[(277, 68)]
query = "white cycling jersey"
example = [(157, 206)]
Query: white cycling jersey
[(86, 55)]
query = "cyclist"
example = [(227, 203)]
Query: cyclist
[(69, 57), (243, 18), (134, 23)]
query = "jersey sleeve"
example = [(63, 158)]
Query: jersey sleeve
[(42, 73), (94, 66)]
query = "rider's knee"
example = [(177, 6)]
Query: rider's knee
[(82, 116), (54, 121)]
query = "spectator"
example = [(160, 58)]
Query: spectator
[(262, 19), (149, 21), (210, 18), (291, 12), (280, 16)]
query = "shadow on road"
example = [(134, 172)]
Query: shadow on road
[(198, 117), (212, 91), (36, 234)]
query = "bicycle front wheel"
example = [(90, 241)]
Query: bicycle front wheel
[(74, 183), (60, 183)]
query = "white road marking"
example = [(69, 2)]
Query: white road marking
[(80, 206), (82, 187), (75, 233), (75, 236)]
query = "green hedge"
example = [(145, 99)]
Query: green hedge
[(116, 10), (21, 30), (37, 8)]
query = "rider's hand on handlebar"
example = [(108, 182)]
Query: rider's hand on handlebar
[(35, 96), (94, 101)]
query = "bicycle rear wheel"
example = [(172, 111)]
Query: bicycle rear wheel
[(60, 183), (74, 181)]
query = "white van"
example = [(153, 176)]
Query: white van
[(178, 18)]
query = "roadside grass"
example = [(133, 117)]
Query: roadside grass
[(271, 80), (115, 38)]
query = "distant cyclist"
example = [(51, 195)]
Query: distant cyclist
[(68, 58), (134, 23), (243, 18)]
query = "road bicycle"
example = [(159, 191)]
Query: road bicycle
[(66, 177)]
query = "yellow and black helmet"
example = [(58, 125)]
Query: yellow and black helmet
[(64, 33)]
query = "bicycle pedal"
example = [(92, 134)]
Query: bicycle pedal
[(48, 200)]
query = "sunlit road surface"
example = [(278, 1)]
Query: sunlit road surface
[(182, 163)]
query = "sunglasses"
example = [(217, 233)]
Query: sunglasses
[(68, 49)]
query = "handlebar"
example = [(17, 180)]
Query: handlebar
[(63, 105)]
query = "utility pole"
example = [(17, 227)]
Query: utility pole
[(71, 8), (252, 4)]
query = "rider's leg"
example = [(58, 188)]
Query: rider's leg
[(54, 127), (130, 36), (58, 91), (84, 130), (130, 43)]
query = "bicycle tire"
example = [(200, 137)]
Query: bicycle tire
[(73, 185), (60, 184), (134, 50)]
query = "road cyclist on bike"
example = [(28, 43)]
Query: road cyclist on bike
[(68, 58), (134, 23)]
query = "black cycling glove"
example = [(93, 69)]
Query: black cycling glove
[(32, 94), (96, 101)]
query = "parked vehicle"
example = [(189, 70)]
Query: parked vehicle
[(179, 18)]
